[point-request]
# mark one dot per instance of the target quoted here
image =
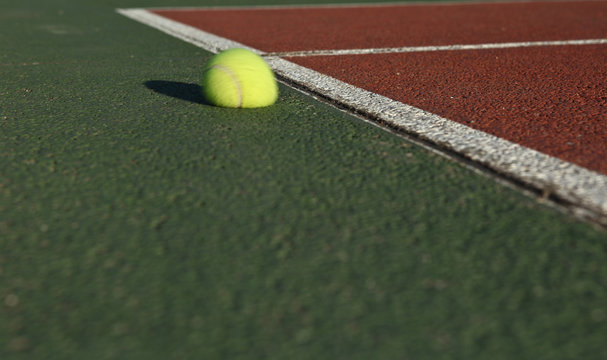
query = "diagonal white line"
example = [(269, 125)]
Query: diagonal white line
[(407, 49), (583, 188), (578, 185)]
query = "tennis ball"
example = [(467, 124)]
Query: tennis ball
[(239, 78)]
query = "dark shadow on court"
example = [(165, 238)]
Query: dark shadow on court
[(178, 90)]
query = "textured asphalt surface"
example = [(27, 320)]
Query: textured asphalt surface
[(138, 222)]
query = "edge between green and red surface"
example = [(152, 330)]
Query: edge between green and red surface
[(580, 190)]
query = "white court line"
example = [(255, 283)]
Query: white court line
[(585, 189), (408, 49), (406, 3)]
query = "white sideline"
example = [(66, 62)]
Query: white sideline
[(585, 189), (408, 49)]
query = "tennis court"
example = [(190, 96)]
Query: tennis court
[(361, 216)]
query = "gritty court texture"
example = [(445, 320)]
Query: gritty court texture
[(430, 184)]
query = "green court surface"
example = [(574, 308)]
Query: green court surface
[(136, 222)]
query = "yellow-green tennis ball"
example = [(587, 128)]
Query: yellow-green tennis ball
[(239, 78)]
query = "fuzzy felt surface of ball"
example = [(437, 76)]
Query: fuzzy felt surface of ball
[(239, 78)]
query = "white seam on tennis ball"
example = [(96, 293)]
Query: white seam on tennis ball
[(231, 74)]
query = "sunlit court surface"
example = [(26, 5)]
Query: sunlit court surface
[(430, 184)]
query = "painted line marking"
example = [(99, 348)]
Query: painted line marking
[(569, 181), (352, 5), (330, 5), (586, 190), (408, 49)]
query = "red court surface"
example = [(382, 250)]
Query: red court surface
[(549, 98)]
